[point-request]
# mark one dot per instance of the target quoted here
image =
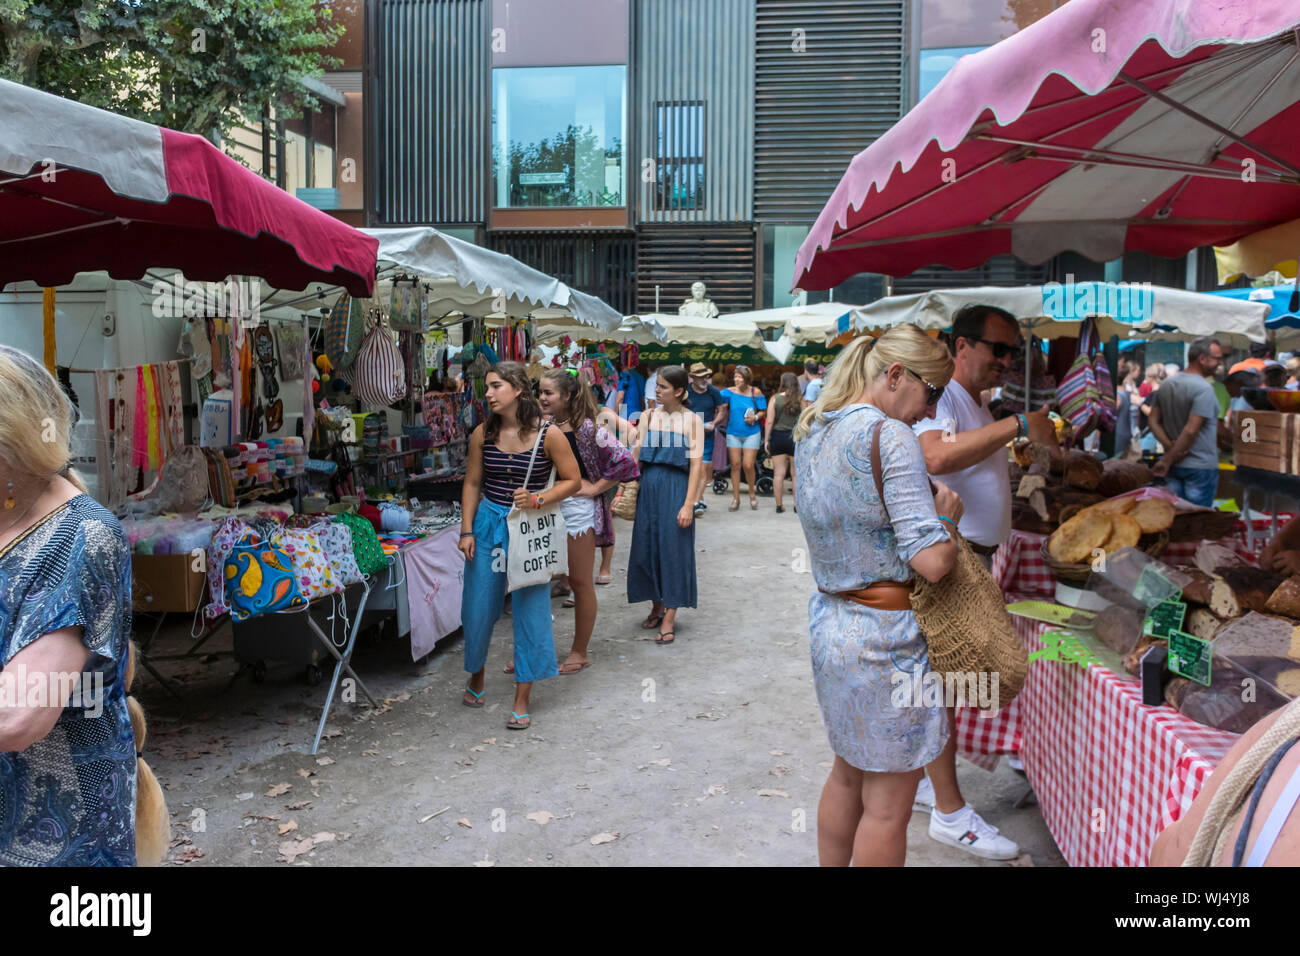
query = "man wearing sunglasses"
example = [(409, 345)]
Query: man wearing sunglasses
[(967, 447)]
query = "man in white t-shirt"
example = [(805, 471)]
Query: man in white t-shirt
[(967, 447)]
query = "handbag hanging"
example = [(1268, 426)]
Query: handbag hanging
[(963, 616), (1079, 397), (538, 540)]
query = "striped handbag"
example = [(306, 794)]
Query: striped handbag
[(1077, 396), (379, 377)]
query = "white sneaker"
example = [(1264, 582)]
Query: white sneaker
[(924, 799), (972, 834), (1013, 761)]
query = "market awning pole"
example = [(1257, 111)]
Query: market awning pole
[(51, 349)]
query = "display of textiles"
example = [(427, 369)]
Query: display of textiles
[(406, 307), (289, 344), (442, 415)]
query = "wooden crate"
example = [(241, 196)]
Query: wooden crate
[(1274, 444)]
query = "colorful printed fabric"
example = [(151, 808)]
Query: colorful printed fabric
[(69, 798), (336, 541), (223, 540), (442, 417), (310, 565), (604, 457), (174, 424), (365, 543), (260, 579)]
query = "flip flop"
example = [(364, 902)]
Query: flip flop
[(569, 602), (734, 506), (608, 579), (509, 668), (478, 697), (671, 635), (514, 724), (575, 667), (652, 622)]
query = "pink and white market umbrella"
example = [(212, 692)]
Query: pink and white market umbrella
[(84, 190), (1155, 125)]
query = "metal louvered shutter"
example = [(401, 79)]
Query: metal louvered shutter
[(430, 111), (721, 255), (815, 110), (602, 264), (1004, 270)]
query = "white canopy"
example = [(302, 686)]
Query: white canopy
[(1055, 310), (802, 324), (693, 330), (468, 280)]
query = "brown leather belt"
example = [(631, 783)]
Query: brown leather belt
[(881, 596), (984, 549)]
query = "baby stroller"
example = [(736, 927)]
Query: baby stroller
[(763, 475)]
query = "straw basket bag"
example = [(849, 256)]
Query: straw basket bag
[(963, 615), (624, 504)]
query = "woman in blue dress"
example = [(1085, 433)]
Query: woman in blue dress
[(67, 753), (669, 447), (867, 650)]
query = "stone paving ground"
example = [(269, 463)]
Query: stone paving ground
[(708, 752)]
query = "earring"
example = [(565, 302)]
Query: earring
[(9, 501)]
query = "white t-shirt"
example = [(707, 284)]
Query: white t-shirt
[(985, 488)]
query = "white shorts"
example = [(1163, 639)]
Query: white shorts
[(579, 515)]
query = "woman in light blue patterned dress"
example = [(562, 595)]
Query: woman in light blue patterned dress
[(67, 752), (862, 656)]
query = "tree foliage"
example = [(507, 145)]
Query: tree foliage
[(195, 65)]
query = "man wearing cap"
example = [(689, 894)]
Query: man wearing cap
[(707, 401)]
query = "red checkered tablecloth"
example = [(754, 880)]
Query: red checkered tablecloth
[(1109, 773)]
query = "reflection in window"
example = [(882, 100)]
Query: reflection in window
[(950, 23), (557, 136), (679, 155), (935, 64)]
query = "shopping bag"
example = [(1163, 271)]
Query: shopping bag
[(538, 539), (1077, 396)]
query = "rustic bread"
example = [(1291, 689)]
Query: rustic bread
[(1153, 515), (1285, 598), (1075, 541)]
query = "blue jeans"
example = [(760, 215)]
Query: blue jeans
[(484, 595), (1197, 485)]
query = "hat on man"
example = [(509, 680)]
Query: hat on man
[(700, 370)]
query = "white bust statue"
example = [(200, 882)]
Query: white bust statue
[(699, 304)]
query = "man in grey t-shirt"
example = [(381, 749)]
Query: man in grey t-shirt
[(1184, 418)]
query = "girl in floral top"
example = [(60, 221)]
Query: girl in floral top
[(603, 462)]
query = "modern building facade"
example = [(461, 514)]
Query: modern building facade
[(629, 147)]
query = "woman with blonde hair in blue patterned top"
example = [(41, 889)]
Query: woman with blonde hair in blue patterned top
[(864, 551)]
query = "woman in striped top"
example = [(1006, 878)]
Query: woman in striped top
[(497, 479)]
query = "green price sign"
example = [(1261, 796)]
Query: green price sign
[(1165, 617), (1189, 656)]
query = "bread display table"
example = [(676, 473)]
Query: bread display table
[(1109, 773)]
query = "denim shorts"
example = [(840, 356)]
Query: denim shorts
[(751, 443)]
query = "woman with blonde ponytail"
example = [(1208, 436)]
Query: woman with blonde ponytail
[(868, 654), (68, 756)]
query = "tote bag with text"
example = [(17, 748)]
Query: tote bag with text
[(539, 545)]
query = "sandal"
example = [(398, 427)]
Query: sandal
[(671, 635), (514, 722), (753, 505), (509, 668), (652, 622), (478, 697), (734, 506), (608, 579), (575, 667), (569, 602)]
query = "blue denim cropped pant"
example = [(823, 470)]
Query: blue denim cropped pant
[(484, 596)]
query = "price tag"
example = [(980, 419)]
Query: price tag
[(1154, 588), (1165, 617), (1189, 656)]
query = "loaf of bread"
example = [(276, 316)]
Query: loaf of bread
[(1285, 598), (1221, 705), (1252, 587), (1082, 470), (1118, 628), (1119, 477)]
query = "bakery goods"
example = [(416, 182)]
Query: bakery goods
[(1153, 515), (1285, 598), (1124, 533), (1116, 506), (1076, 540)]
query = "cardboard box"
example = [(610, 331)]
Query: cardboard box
[(166, 583), (1269, 441)]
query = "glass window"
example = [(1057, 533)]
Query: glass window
[(679, 156), (557, 136), (950, 23), (935, 65), (780, 246)]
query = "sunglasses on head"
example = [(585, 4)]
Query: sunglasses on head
[(933, 392)]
